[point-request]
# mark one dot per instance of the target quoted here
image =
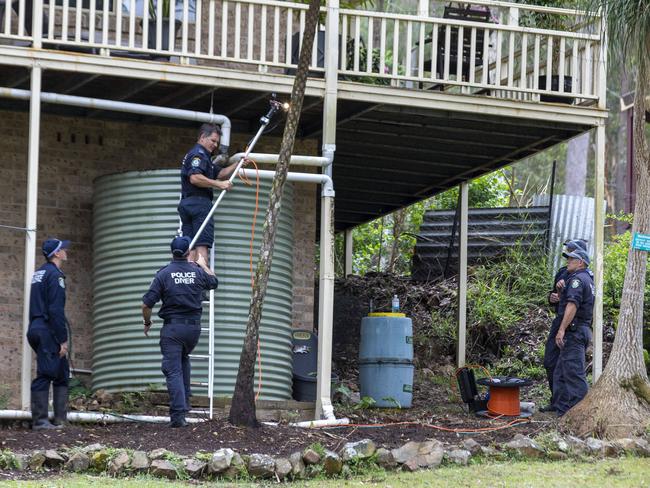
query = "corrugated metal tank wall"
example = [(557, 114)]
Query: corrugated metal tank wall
[(134, 220)]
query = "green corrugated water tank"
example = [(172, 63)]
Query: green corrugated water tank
[(134, 220)]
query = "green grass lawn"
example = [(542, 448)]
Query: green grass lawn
[(633, 472)]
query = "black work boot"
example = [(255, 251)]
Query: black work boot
[(60, 401), (178, 423), (39, 411)]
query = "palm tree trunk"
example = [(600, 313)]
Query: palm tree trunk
[(619, 404), (242, 411)]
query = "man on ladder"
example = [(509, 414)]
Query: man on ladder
[(199, 177), (180, 286)]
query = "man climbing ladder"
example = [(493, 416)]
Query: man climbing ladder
[(199, 177)]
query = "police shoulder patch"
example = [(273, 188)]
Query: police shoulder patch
[(196, 162), (575, 283), (61, 281)]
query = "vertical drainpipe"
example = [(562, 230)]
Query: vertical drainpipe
[(30, 224), (326, 281), (599, 208), (462, 275)]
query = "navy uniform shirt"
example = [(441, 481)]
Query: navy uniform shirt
[(197, 161), (579, 289), (47, 300), (180, 286)]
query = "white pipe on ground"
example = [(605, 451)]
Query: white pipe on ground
[(135, 108), (321, 423), (94, 417)]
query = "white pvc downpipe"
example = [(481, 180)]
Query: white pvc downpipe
[(135, 108), (326, 289), (95, 417), (317, 178), (324, 408), (31, 213), (266, 158)]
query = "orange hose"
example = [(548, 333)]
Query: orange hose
[(257, 200), (438, 427)]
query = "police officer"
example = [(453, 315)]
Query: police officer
[(574, 334), (180, 286), (199, 177), (551, 351), (48, 336)]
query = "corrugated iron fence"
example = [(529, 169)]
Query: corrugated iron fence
[(573, 218), (491, 231)]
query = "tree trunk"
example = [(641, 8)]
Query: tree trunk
[(577, 154), (399, 218), (619, 403), (242, 410)]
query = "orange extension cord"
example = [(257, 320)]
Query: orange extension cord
[(433, 426), (257, 200)]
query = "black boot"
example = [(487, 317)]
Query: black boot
[(60, 401), (39, 411)]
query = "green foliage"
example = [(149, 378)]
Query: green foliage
[(501, 292), (8, 460), (365, 403), (177, 462), (393, 401), (318, 448), (77, 389), (615, 263), (387, 243), (490, 190)]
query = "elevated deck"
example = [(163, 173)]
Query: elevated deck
[(413, 117)]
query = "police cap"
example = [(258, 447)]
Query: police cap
[(180, 246), (52, 246)]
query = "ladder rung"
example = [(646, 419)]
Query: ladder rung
[(199, 383), (205, 302), (205, 329), (199, 356)]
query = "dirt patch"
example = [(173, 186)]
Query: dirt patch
[(273, 440)]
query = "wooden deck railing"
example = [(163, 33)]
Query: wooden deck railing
[(494, 48)]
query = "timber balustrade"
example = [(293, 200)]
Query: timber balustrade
[(491, 48)]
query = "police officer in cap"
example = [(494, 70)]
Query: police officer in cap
[(574, 334), (48, 337), (199, 177), (551, 351), (180, 286)]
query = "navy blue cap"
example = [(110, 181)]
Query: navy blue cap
[(574, 244), (580, 254), (51, 246), (180, 246)]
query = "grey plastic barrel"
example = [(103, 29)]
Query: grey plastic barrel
[(134, 220), (386, 360)]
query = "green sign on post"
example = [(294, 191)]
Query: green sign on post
[(641, 242)]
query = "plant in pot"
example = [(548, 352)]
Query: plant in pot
[(165, 19), (557, 22)]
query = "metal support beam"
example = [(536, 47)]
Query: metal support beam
[(349, 251), (30, 224), (599, 237), (324, 407), (462, 276)]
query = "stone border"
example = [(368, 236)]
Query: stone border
[(313, 461)]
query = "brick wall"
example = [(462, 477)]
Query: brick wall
[(73, 152)]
